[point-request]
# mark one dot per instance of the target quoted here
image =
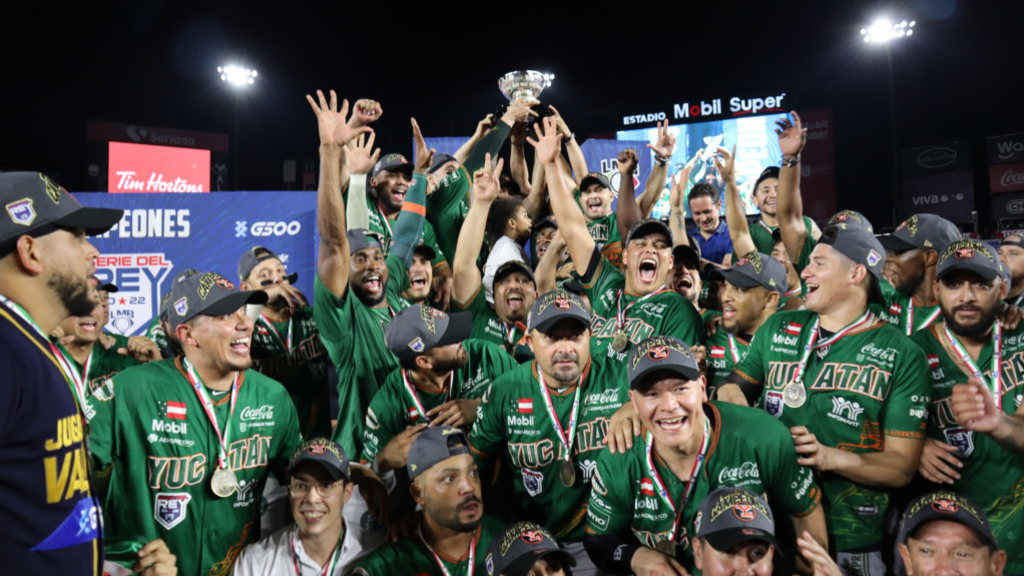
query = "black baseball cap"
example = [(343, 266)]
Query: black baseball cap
[(924, 231), (328, 454), (253, 257), (420, 328), (756, 269), (730, 516), (594, 178), (768, 172), (208, 294), (661, 353), (392, 163), (646, 228), (35, 205), (440, 159), (548, 222), (688, 255), (861, 246), (424, 250), (977, 257), (361, 239), (554, 306), (435, 444), (108, 287), (520, 546), (514, 266), (946, 505)]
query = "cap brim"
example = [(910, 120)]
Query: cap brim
[(739, 278), (524, 562), (588, 180), (549, 323), (687, 256), (985, 272), (648, 228), (725, 540), (460, 325), (425, 250), (334, 472), (894, 244), (639, 379), (233, 301), (511, 267), (108, 287), (93, 220)]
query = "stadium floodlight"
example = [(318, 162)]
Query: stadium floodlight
[(883, 30), (237, 76)]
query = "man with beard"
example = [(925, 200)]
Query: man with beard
[(853, 390), (49, 523), (357, 290), (971, 355), (628, 306), (286, 344), (453, 534), (421, 275), (562, 400), (1011, 252), (514, 286), (441, 380)]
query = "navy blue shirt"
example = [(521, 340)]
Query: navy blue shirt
[(49, 518), (715, 248)]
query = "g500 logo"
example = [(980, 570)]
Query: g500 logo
[(267, 228)]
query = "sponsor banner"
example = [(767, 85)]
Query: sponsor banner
[(1006, 149), (443, 144), (601, 155), (1006, 177), (945, 157), (712, 108), (1008, 207), (110, 132), (948, 194), (161, 235), (146, 168)]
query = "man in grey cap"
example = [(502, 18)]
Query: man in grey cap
[(912, 254), (868, 379), (46, 269), (975, 441), (943, 532), (453, 534), (527, 549)]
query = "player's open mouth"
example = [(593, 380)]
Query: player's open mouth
[(418, 281), (672, 424), (313, 515), (648, 270), (811, 287), (684, 281), (728, 311), (87, 325), (373, 283), (594, 204), (240, 345), (514, 300)]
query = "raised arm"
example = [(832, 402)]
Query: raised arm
[(627, 213), (360, 162), (491, 143), (571, 222), (517, 157), (466, 273), (663, 149), (462, 154), (577, 161), (537, 197), (677, 216), (408, 228), (792, 137), (333, 258), (735, 213), (893, 467), (547, 269)]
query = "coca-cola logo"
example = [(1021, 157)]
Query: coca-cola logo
[(264, 412), (746, 471), (1011, 178), (936, 157)]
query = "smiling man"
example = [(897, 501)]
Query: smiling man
[(711, 232), (945, 533)]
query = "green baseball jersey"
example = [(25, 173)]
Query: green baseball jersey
[(447, 207), (302, 368), (488, 327), (747, 449), (605, 231), (865, 385), (513, 418), (901, 311), (992, 476), (155, 332), (353, 334), (383, 230), (154, 436), (666, 313), (761, 234), (103, 363), (393, 410), (723, 353), (803, 257), (412, 556)]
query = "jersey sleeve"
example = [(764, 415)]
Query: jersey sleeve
[(430, 239), (488, 434), (753, 368), (332, 318), (906, 409), (610, 510), (383, 421), (685, 323), (101, 435), (398, 277)]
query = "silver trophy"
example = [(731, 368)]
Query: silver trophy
[(524, 84)]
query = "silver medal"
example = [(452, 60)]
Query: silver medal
[(794, 395), (567, 473), (620, 342), (666, 547), (223, 483)]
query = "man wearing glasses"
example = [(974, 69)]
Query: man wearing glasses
[(320, 542)]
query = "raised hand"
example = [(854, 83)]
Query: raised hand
[(974, 407), (665, 145), (483, 126), (423, 156), (359, 157), (627, 161), (792, 135), (518, 111), (727, 165), (547, 143), (365, 112), (563, 128), (486, 182), (334, 130)]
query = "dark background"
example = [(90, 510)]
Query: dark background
[(154, 64)]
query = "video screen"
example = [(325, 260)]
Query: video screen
[(757, 146)]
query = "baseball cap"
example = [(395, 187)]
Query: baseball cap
[(946, 505), (424, 250), (977, 257), (108, 287), (361, 239), (324, 452), (435, 444), (861, 246), (519, 547), (851, 218), (756, 269), (513, 266), (548, 222), (208, 294), (731, 516), (253, 257), (769, 172), (440, 159), (595, 178), (35, 205), (419, 328), (646, 228), (558, 304), (661, 353), (392, 163), (688, 255), (925, 231)]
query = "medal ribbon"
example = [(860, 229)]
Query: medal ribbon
[(329, 567), (910, 329), (996, 385), (733, 350), (620, 315), (811, 346), (387, 224), (510, 339), (270, 325), (204, 399), (1018, 300), (794, 292), (659, 484), (565, 439), (440, 563), (767, 228), (411, 390), (75, 380)]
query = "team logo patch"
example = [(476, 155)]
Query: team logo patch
[(965, 253), (53, 190), (744, 512), (417, 345), (170, 508), (945, 505), (773, 403), (533, 481), (490, 564), (658, 352), (874, 258), (22, 212), (563, 303), (181, 306), (532, 536), (962, 439)]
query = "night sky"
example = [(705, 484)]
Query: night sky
[(154, 64)]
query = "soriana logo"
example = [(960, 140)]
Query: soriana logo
[(148, 168)]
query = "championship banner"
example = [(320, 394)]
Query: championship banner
[(601, 157), (161, 235)]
